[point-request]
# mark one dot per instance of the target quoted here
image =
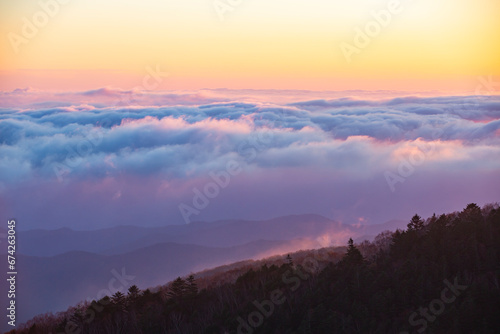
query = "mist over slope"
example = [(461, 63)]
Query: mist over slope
[(439, 274), (225, 233), (82, 264)]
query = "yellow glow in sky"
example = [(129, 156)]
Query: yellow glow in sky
[(250, 44)]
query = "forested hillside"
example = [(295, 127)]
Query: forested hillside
[(440, 275)]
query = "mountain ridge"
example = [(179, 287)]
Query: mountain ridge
[(227, 233)]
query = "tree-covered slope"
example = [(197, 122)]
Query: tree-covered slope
[(440, 275)]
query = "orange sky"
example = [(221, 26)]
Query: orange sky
[(421, 45)]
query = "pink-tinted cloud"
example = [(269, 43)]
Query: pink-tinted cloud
[(107, 157)]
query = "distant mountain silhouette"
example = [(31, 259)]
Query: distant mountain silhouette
[(439, 275), (224, 233), (56, 282), (79, 264)]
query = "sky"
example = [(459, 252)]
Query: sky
[(408, 44), (167, 112)]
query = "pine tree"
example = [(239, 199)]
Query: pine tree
[(177, 289), (353, 255), (118, 298), (133, 292), (192, 287), (416, 223)]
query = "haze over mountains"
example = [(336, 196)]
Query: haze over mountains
[(373, 287), (225, 233), (87, 160), (158, 141), (81, 265)]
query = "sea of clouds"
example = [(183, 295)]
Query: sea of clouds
[(107, 157)]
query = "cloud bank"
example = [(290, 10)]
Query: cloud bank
[(107, 157)]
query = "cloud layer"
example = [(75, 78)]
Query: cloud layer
[(107, 157)]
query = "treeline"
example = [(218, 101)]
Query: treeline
[(440, 275)]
